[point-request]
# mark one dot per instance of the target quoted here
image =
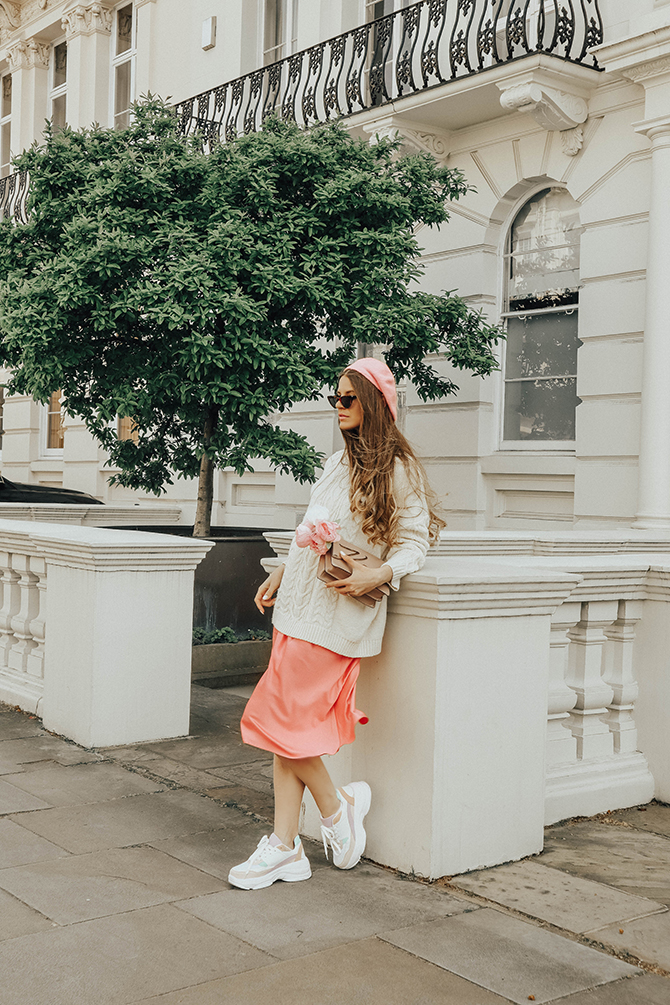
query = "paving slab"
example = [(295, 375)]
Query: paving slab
[(216, 851), (509, 957), (257, 775), (647, 938), (647, 989), (19, 846), (362, 973), (653, 817), (568, 902), (246, 799), (133, 820), (631, 860), (82, 887), (82, 783), (16, 800), (113, 961), (170, 771), (208, 751), (332, 908), (17, 919), (46, 748), (16, 724)]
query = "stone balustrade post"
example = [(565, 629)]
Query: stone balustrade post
[(28, 609), (455, 747), (561, 744), (113, 663), (620, 676), (11, 600), (585, 677)]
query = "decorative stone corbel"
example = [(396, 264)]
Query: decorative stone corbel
[(414, 136), (10, 15), (550, 108), (87, 19), (553, 109), (28, 54)]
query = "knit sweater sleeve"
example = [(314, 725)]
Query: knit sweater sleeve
[(410, 553)]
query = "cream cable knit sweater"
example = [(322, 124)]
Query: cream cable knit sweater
[(306, 609)]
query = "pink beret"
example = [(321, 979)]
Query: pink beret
[(378, 374)]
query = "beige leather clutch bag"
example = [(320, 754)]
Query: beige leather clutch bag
[(332, 567)]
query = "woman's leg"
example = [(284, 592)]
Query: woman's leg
[(291, 776)]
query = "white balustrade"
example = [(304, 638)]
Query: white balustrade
[(561, 744), (467, 758), (585, 677), (619, 675)]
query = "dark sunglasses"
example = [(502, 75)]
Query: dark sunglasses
[(344, 399)]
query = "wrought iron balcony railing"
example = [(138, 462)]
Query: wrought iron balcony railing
[(13, 195), (422, 46)]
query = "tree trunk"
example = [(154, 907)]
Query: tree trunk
[(203, 510)]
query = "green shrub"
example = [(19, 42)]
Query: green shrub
[(203, 637)]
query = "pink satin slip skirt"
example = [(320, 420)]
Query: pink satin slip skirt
[(304, 705)]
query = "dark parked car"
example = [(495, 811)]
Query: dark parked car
[(17, 492)]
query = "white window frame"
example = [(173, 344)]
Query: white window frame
[(45, 450), (129, 56), (289, 32), (523, 446), (61, 90), (6, 120)]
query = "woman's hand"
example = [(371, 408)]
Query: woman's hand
[(362, 579), (265, 596)]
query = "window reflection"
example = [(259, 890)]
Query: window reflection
[(542, 343)]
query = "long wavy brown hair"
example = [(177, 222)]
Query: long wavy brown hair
[(372, 451)]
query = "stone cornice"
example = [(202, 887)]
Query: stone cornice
[(87, 19), (640, 57)]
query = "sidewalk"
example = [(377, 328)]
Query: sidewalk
[(113, 891)]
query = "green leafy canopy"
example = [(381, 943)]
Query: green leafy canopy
[(203, 293)]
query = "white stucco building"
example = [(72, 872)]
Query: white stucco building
[(560, 118)]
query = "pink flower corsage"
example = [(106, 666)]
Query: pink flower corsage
[(316, 531)]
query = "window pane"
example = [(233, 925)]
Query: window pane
[(58, 111), (7, 95), (541, 409), (124, 29), (60, 64), (544, 264), (542, 345), (55, 432), (122, 95), (126, 429), (272, 31)]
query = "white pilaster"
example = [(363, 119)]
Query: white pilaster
[(88, 28), (654, 476), (645, 60), (29, 64), (144, 70)]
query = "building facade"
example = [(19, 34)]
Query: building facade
[(559, 119)]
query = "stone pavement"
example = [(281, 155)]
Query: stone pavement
[(113, 891)]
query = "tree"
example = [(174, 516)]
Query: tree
[(202, 294)]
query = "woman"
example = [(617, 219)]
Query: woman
[(304, 705)]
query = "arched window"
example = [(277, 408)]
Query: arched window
[(542, 295)]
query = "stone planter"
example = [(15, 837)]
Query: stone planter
[(228, 664)]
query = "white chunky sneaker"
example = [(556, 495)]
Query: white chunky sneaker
[(271, 861), (346, 835)]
